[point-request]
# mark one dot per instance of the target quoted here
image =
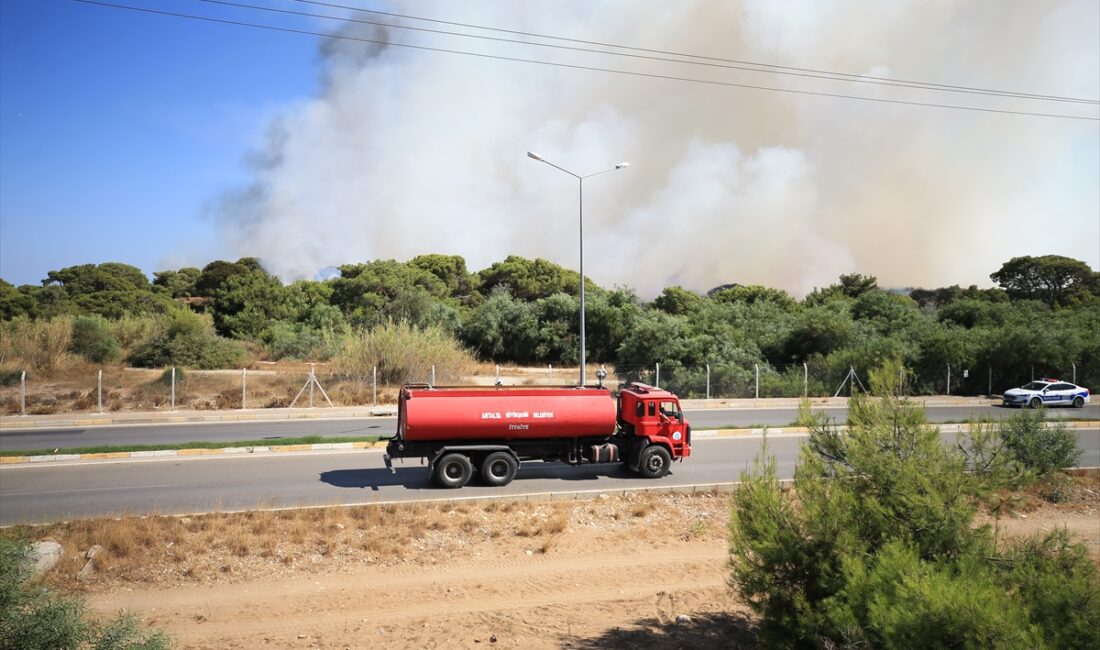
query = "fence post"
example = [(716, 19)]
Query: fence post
[(991, 381), (23, 393), (657, 383), (1032, 373), (949, 379), (550, 374), (99, 390), (708, 381), (496, 380), (757, 365), (1074, 372), (173, 388), (244, 386), (433, 377), (374, 385), (805, 380)]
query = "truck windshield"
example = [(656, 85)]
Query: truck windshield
[(670, 409)]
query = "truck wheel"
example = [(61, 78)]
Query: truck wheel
[(655, 462), (499, 468), (1078, 402), (1035, 403), (453, 470)]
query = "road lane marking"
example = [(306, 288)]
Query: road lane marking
[(83, 490)]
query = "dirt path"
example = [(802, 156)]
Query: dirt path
[(529, 602)]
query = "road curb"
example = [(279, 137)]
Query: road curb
[(16, 422)]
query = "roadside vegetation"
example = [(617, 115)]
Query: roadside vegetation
[(878, 543), (404, 317), (36, 618)]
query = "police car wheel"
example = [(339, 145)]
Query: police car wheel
[(1078, 402), (1035, 403)]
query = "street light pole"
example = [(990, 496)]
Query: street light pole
[(580, 214)]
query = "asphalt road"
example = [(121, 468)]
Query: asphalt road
[(61, 491), (223, 432)]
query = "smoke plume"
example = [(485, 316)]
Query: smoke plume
[(404, 152)]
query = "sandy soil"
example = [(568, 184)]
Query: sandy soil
[(571, 599), (613, 572), (608, 572)]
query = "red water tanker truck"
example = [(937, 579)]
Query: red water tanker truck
[(460, 431)]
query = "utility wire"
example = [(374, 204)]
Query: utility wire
[(920, 86), (828, 74), (581, 67)]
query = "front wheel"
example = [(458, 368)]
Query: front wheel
[(655, 462), (1078, 402), (1035, 403), (453, 471)]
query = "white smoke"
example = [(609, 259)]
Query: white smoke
[(407, 152)]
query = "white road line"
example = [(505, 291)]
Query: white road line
[(83, 490)]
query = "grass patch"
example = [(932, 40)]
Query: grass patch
[(110, 449)]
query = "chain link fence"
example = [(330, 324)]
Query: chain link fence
[(116, 388), (727, 381)]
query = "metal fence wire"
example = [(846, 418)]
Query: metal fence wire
[(115, 388)]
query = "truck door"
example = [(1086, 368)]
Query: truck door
[(671, 421)]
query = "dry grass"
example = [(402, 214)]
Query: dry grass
[(38, 345), (238, 546)]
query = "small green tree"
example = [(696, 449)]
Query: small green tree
[(876, 544), (1041, 446), (33, 618)]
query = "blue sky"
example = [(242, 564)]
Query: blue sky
[(117, 128)]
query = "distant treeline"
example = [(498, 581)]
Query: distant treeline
[(1045, 314)]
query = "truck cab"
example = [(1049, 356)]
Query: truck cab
[(651, 417)]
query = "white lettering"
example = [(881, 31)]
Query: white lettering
[(488, 415), (518, 427), (516, 414), (544, 415)]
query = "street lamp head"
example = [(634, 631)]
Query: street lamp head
[(620, 165), (532, 154)]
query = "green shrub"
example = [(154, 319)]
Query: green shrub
[(92, 339), (166, 377), (876, 545), (1041, 446), (10, 376), (33, 618), (403, 353), (131, 331), (284, 340), (188, 339)]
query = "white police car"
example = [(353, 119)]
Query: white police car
[(1047, 392)]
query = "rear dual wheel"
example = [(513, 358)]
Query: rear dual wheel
[(453, 470), (499, 468)]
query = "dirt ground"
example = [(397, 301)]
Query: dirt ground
[(642, 571)]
